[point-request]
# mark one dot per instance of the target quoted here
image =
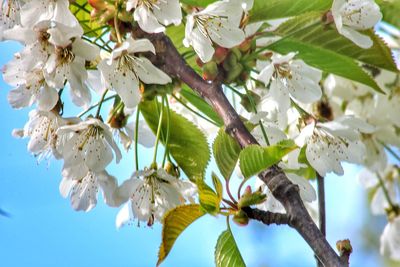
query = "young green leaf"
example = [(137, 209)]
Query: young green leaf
[(202, 3), (226, 251), (174, 223), (275, 9), (226, 153), (217, 185), (209, 200), (254, 158), (187, 143), (81, 9)]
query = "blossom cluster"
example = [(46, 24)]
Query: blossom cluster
[(331, 119)]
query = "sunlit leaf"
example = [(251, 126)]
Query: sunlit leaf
[(227, 252)]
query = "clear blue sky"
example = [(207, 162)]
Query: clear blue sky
[(44, 231)]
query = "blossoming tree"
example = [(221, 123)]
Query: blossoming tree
[(284, 90)]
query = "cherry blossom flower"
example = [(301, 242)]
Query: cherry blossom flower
[(41, 128), (67, 63), (291, 79), (124, 70), (390, 179), (35, 11), (150, 13), (217, 23), (390, 239), (83, 191), (9, 15), (330, 143), (151, 193), (90, 147), (352, 16)]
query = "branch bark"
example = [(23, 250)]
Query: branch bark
[(267, 217), (169, 60)]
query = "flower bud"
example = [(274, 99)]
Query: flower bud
[(220, 54), (98, 4), (210, 71), (241, 218)]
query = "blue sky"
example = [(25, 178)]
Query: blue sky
[(43, 230)]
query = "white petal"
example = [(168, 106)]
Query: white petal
[(359, 39), (66, 186), (84, 193), (47, 98), (390, 240), (123, 216), (168, 12), (307, 192), (150, 74), (266, 74), (20, 97), (201, 45), (225, 34), (146, 20), (97, 154)]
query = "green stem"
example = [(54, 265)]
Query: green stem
[(137, 138), (385, 191), (95, 105), (168, 131), (391, 151), (253, 105), (101, 103), (158, 133), (193, 111)]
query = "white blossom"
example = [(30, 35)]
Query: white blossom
[(90, 147), (330, 143), (151, 193), (35, 11), (352, 16), (83, 191), (291, 78), (124, 70), (390, 179), (41, 129), (390, 239), (151, 15), (217, 23)]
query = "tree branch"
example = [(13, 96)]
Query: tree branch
[(168, 59), (267, 217), (321, 207)]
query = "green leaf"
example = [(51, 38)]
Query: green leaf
[(390, 10), (226, 153), (81, 10), (275, 9), (253, 198), (312, 33), (217, 185), (209, 200), (254, 158), (175, 222), (201, 3), (200, 104), (227, 252), (187, 143)]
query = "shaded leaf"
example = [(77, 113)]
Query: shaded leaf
[(390, 10), (217, 185), (187, 143), (275, 9), (175, 222), (309, 30)]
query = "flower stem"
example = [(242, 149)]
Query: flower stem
[(228, 191), (391, 151), (116, 26), (137, 138), (385, 191), (253, 105), (101, 103), (168, 130), (160, 120), (193, 111), (95, 105)]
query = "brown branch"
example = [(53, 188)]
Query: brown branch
[(169, 59), (267, 217), (321, 207)]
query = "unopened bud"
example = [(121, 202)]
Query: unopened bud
[(220, 54), (98, 4), (241, 218), (344, 247), (210, 71)]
